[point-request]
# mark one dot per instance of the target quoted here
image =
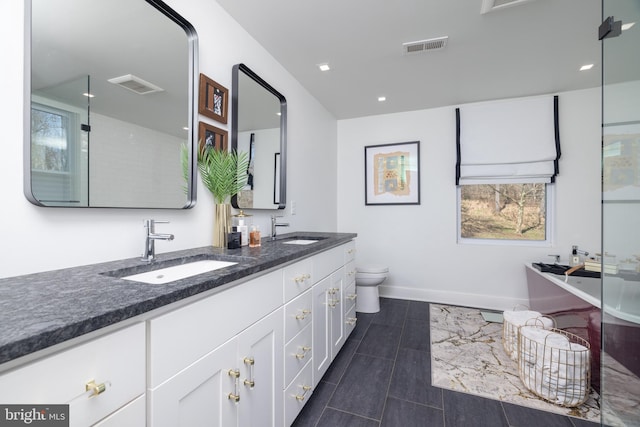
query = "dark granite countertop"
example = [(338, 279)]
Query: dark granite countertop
[(40, 310)]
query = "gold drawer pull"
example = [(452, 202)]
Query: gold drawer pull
[(351, 320), (305, 350), (301, 397), (96, 389), (235, 396), (302, 278), (352, 296), (250, 382), (303, 315)]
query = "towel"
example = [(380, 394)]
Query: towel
[(513, 319)]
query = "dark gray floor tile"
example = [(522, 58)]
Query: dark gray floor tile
[(364, 320), (465, 410), (577, 422), (416, 335), (312, 411), (407, 414), (392, 312), (411, 379), (418, 310), (520, 416), (381, 341), (340, 363), (333, 418), (363, 387)]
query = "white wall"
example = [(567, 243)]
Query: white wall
[(418, 243), (36, 239)]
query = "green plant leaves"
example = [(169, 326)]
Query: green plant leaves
[(223, 173)]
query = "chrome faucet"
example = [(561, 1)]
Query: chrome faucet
[(275, 224), (150, 239)]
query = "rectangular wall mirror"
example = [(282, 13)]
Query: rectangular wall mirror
[(111, 109), (259, 127)]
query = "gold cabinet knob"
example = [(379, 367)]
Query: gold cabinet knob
[(96, 389)]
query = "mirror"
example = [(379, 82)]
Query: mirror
[(111, 85), (259, 127)]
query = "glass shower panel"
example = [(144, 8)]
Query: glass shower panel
[(620, 317)]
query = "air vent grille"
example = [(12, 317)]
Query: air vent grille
[(135, 84), (425, 45)]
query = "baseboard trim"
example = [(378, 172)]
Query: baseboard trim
[(453, 298)]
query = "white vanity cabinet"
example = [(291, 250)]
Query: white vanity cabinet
[(219, 360), (328, 321), (237, 384), (350, 297), (100, 379)]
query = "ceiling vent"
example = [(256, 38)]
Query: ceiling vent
[(135, 84), (425, 45), (493, 5)]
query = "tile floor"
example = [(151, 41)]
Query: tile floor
[(382, 378)]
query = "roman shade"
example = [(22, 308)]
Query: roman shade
[(508, 142)]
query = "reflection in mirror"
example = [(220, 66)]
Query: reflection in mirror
[(111, 85), (258, 126)]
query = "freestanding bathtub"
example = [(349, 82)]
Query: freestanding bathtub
[(576, 306)]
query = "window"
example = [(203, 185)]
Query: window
[(51, 139), (504, 212), (54, 154)]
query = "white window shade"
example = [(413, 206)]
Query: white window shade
[(512, 141)]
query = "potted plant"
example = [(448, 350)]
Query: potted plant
[(224, 174)]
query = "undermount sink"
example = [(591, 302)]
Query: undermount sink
[(300, 242), (177, 272)]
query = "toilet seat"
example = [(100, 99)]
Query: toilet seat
[(372, 269)]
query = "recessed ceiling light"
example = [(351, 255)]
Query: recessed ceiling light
[(324, 67), (382, 98), (185, 128), (586, 67), (88, 95), (627, 25)]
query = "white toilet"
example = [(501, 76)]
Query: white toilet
[(367, 280)]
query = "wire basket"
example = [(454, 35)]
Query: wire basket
[(555, 365), (513, 320)]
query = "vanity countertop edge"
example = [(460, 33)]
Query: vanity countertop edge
[(40, 311)]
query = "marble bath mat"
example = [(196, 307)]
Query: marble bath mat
[(467, 356)]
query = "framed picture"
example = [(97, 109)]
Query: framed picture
[(620, 162), (213, 99), (392, 174), (212, 137)]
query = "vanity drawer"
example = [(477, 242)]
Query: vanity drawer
[(350, 321), (297, 315), (350, 297), (349, 251), (298, 278), (180, 337), (350, 273), (297, 353), (297, 394), (116, 360), (327, 262)]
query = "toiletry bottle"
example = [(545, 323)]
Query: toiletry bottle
[(254, 237), (575, 258), (242, 222)]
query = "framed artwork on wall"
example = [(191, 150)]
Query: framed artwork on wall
[(211, 137), (392, 174), (213, 99)]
